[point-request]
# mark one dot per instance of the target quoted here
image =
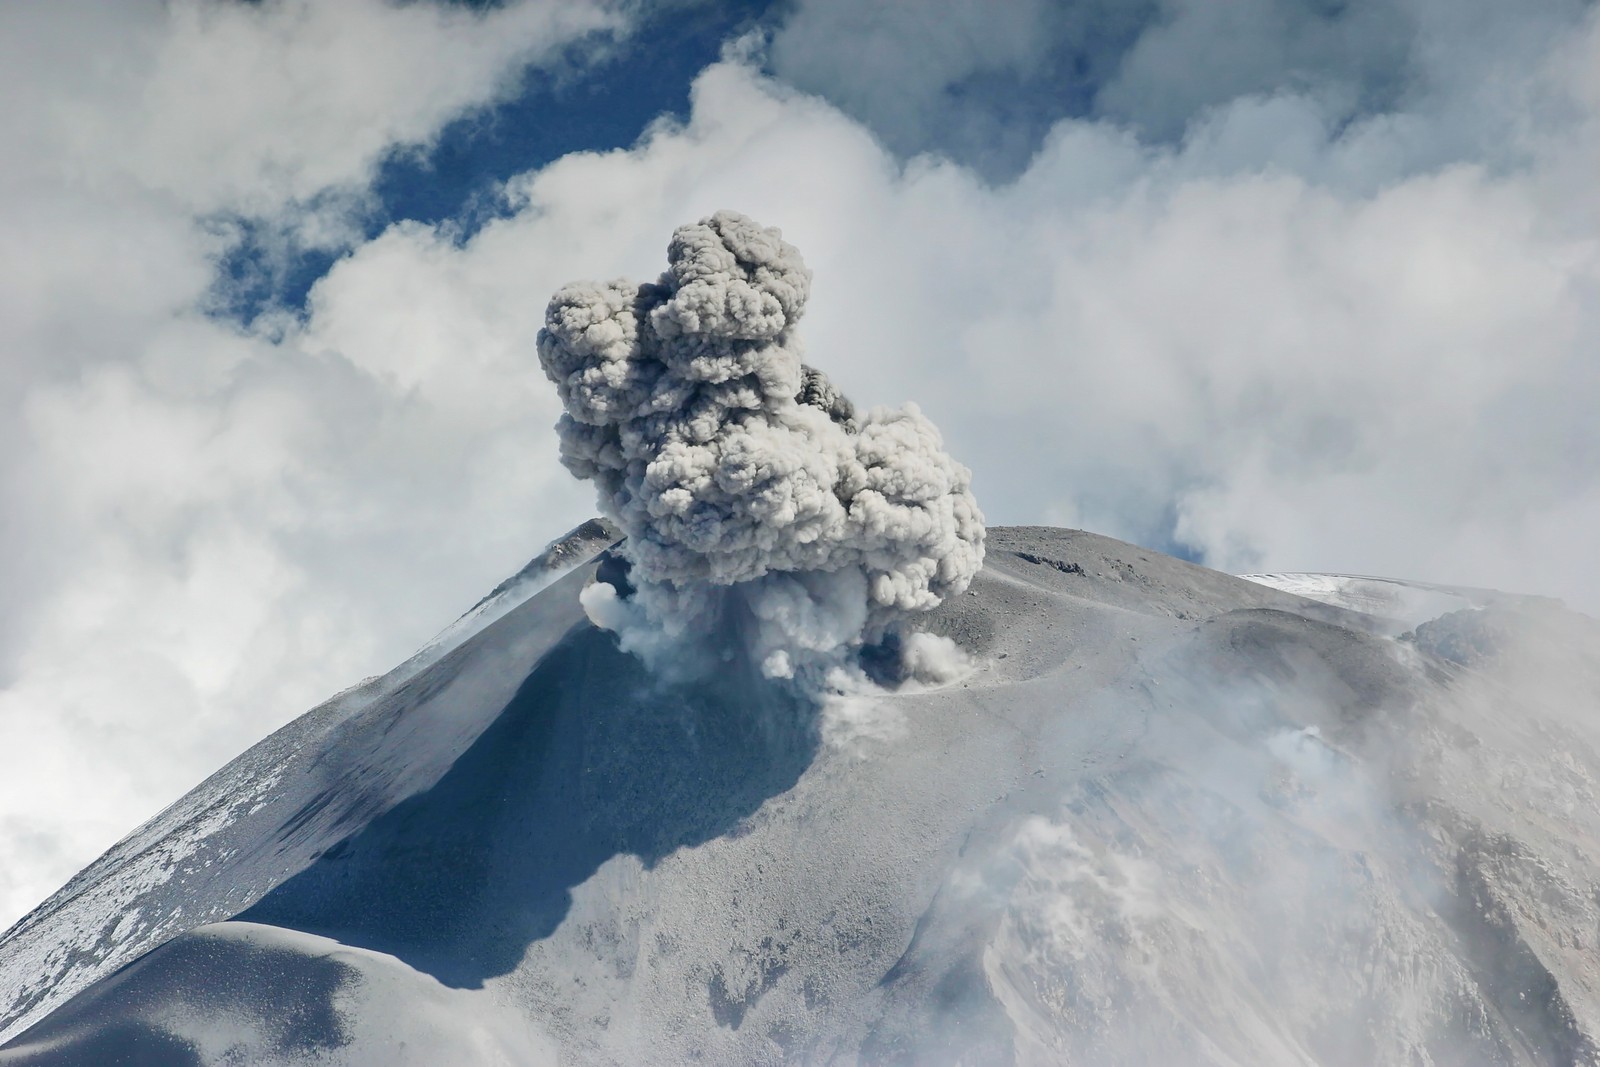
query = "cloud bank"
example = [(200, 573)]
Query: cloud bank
[(743, 479), (184, 497)]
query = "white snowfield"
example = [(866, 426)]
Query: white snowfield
[(1408, 603), (1170, 816)]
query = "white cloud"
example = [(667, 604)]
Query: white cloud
[(1391, 355), (206, 531), (248, 107), (894, 64), (1340, 358)]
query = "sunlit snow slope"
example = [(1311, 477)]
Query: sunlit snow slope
[(1170, 817), (1404, 603)]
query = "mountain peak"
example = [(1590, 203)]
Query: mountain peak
[(1165, 815)]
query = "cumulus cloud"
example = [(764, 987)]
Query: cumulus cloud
[(950, 77), (250, 107), (1278, 344), (747, 486), (198, 518)]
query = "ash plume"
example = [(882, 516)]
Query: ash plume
[(752, 494)]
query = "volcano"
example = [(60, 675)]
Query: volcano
[(1164, 815)]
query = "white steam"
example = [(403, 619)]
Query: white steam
[(749, 490)]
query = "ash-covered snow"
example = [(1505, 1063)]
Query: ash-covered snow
[(573, 549), (1165, 816), (1405, 602)]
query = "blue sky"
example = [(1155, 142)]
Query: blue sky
[(593, 103), (1272, 283)]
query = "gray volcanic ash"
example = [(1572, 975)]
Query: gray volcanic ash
[(745, 482)]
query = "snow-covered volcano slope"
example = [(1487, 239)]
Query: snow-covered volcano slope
[(1406, 604), (1170, 817)]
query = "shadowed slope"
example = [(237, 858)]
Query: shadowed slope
[(589, 760)]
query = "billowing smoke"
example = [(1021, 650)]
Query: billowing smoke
[(755, 499)]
